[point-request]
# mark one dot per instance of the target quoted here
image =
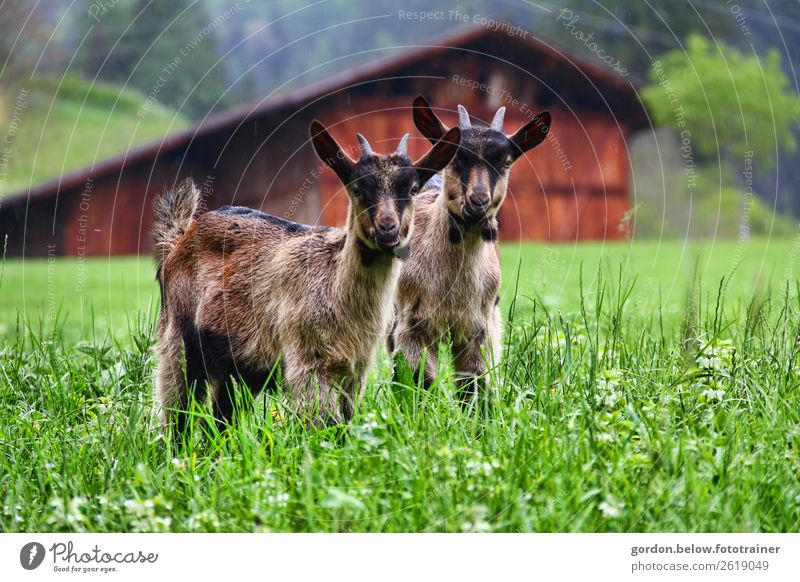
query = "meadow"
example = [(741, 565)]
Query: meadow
[(61, 115), (648, 386)]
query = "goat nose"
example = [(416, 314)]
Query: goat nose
[(387, 227), (479, 198)]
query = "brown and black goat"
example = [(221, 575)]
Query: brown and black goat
[(244, 293), (450, 282)]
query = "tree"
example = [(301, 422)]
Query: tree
[(166, 50), (25, 32), (728, 105)]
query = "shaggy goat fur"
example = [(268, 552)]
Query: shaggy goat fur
[(244, 293), (450, 282)]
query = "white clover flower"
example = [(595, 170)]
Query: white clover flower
[(713, 395), (709, 363), (477, 526), (608, 393), (204, 518), (366, 434), (479, 467), (104, 404), (446, 469), (74, 514), (715, 355), (715, 358), (609, 379), (476, 522), (604, 437), (69, 513), (135, 506), (610, 509), (278, 499), (371, 421), (610, 399)]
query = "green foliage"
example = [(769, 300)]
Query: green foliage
[(730, 102), (717, 215), (733, 112), (165, 50), (710, 211), (609, 414), (641, 29), (77, 89)]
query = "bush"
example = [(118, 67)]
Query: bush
[(710, 211)]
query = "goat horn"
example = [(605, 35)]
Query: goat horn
[(366, 149), (463, 118), (402, 148), (497, 122)]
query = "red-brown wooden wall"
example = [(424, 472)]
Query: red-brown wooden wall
[(579, 192)]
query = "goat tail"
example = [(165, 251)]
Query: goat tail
[(175, 210)]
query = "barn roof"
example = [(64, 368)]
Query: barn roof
[(381, 66)]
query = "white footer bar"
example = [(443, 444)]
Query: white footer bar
[(379, 557)]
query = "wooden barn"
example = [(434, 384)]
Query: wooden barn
[(574, 186)]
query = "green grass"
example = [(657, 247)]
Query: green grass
[(95, 296), (68, 124), (634, 396)]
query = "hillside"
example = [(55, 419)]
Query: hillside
[(53, 128)]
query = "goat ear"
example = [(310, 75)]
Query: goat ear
[(439, 156), (426, 120), (330, 152), (531, 134)]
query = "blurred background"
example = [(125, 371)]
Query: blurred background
[(674, 120)]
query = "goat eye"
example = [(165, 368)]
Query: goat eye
[(414, 190), (355, 190), (506, 164)]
